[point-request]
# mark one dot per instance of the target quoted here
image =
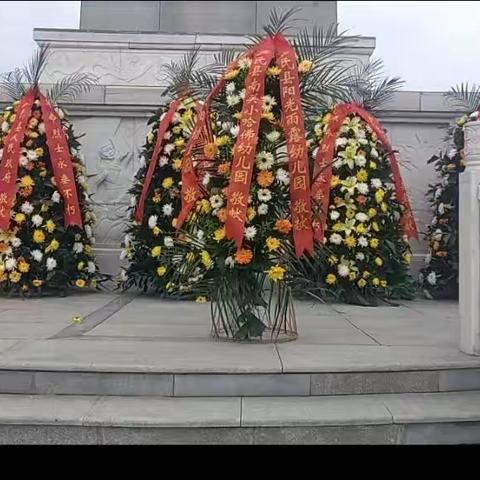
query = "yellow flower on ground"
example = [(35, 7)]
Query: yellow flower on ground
[(20, 218), (362, 175), (156, 251), (276, 273), (272, 243), (15, 276), (24, 266), (50, 225), (206, 259), (27, 181), (331, 279), (362, 283), (350, 241), (167, 182), (219, 234), (38, 236), (80, 283), (37, 283), (379, 194), (305, 66), (273, 71), (161, 271), (54, 245), (201, 299), (371, 212), (378, 261)]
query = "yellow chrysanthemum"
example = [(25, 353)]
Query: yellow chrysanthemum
[(268, 116), (276, 273), (378, 261), (376, 282), (338, 227), (219, 234), (231, 74), (205, 206), (383, 284), (361, 228), (371, 212), (334, 181), (384, 207), (331, 279), (362, 175), (24, 266), (251, 214), (50, 226), (206, 259), (350, 241), (372, 165), (167, 182), (201, 299), (156, 251), (80, 266), (54, 245), (177, 164), (350, 213), (222, 140), (379, 194), (375, 226), (161, 271), (366, 274), (20, 218), (27, 181), (332, 260), (374, 242), (15, 276), (305, 66), (80, 283), (273, 71), (362, 283), (179, 143), (39, 152), (38, 236), (407, 258), (156, 231), (272, 243), (352, 276), (37, 283)]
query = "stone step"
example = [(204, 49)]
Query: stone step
[(425, 418), (64, 382)]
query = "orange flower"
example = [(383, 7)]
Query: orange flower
[(25, 192), (222, 215), (243, 256), (223, 168), (3, 247), (442, 254), (210, 150), (265, 178), (283, 226)]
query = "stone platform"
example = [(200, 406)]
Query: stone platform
[(142, 370)]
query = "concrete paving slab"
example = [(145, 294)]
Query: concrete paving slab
[(172, 331), (6, 344), (28, 330), (145, 356), (434, 407), (314, 411), (165, 412)]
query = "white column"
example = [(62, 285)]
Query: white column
[(469, 243)]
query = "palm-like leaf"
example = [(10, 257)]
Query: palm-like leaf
[(464, 96), (12, 83), (368, 86), (69, 87)]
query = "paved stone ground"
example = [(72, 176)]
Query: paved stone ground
[(127, 333)]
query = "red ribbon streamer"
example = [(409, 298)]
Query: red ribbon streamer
[(162, 128), (10, 158), (245, 146), (324, 158), (294, 127), (61, 163)]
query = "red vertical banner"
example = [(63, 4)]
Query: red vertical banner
[(10, 158), (246, 144), (61, 160), (162, 129), (294, 127)]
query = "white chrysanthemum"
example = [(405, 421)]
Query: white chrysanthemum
[(163, 160), (5, 126), (176, 117), (361, 217), (37, 220), (123, 254), (438, 193), (263, 209), (200, 234), (360, 161), (234, 131), (91, 267), (23, 161), (226, 126), (376, 183), (362, 241), (268, 102), (88, 231), (233, 100), (168, 242), (335, 238), (56, 196), (264, 195), (338, 163), (244, 63), (250, 232), (282, 176), (167, 135), (273, 136), (37, 255), (10, 264), (230, 88), (123, 276), (265, 160), (168, 148), (152, 221), (167, 209), (441, 209), (242, 94), (51, 264), (77, 247), (31, 155), (16, 242), (373, 152), (362, 187), (432, 278), (428, 258), (343, 270), (27, 208), (206, 179), (229, 262), (341, 141), (360, 256), (334, 214), (216, 201)]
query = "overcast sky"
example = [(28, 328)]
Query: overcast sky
[(431, 45)]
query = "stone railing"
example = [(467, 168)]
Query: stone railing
[(469, 243)]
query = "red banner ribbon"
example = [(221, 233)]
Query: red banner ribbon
[(11, 157), (324, 158), (61, 160), (246, 144), (162, 129), (294, 127)]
